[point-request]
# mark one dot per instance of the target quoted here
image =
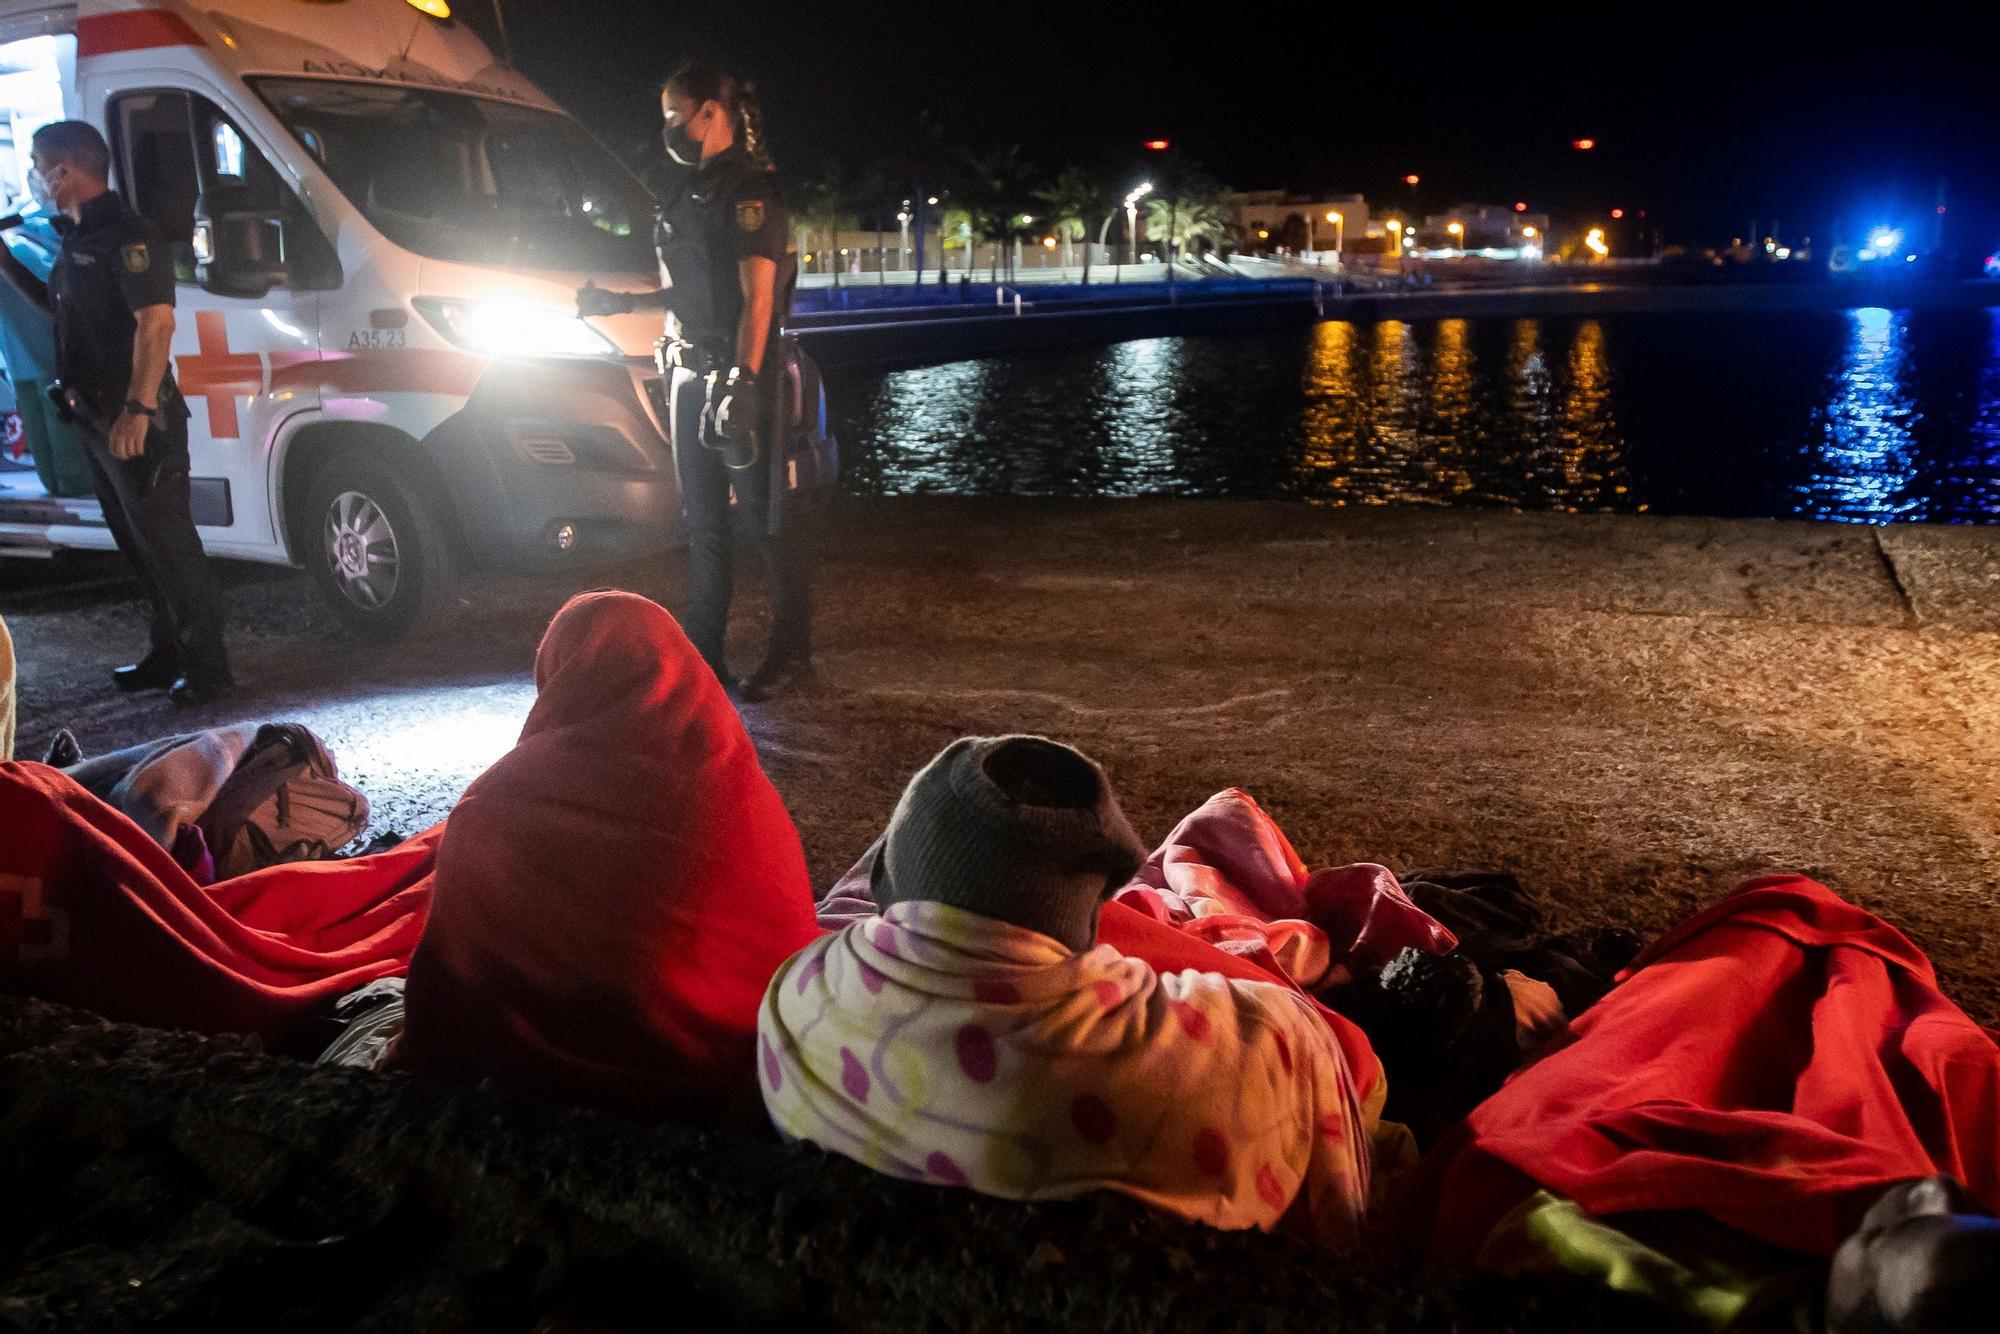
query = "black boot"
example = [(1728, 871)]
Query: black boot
[(155, 671), (206, 680)]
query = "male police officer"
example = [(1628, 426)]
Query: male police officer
[(112, 291), (721, 236)]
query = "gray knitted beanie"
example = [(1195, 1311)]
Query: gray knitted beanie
[(1019, 828)]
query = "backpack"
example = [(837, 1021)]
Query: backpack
[(283, 802)]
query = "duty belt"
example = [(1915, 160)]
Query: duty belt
[(673, 354)]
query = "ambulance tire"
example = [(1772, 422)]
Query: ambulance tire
[(378, 551)]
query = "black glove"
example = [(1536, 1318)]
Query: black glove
[(594, 300), (733, 420)]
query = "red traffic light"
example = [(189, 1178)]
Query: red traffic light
[(1583, 145), (1411, 179), (1617, 212), (1520, 206), (1157, 145)]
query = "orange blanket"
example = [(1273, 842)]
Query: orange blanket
[(94, 913), (616, 891), (1773, 1063)]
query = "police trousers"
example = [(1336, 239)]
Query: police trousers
[(145, 503), (706, 484)]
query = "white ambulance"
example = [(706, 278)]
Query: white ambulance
[(380, 230)]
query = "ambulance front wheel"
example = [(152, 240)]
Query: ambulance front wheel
[(379, 552)]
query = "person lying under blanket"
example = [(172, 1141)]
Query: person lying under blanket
[(1749, 1100), (972, 1034)]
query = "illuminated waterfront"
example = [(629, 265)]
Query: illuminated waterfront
[(1865, 416)]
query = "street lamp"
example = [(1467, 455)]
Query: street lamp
[(903, 221), (1339, 222), (1457, 230), (1395, 226), (1131, 224)]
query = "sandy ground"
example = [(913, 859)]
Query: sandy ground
[(1629, 713)]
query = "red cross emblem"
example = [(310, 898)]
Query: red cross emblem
[(219, 375)]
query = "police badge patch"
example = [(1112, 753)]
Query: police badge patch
[(138, 258), (750, 214)]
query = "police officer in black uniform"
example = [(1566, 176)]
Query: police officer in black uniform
[(112, 293), (721, 234)]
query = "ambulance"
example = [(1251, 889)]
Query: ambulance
[(379, 230)]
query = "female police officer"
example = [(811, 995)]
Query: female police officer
[(721, 237)]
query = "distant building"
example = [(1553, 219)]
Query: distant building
[(1272, 220), (1483, 227)]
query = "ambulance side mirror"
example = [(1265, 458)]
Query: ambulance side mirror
[(238, 252)]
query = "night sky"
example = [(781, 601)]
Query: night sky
[(1706, 116)]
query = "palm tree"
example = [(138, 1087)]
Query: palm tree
[(821, 205), (1071, 200), (956, 221), (928, 167), (1208, 220), (1186, 204), (999, 190)]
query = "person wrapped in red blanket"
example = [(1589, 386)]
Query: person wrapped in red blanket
[(616, 891), (94, 913), (1775, 1063)]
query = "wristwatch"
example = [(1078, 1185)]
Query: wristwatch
[(133, 405)]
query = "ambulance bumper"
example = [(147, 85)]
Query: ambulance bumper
[(549, 462)]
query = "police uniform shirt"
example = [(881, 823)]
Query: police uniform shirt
[(113, 263), (722, 213)]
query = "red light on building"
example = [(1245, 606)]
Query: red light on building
[(1617, 212), (1583, 145), (1520, 206), (1412, 179), (1157, 145)]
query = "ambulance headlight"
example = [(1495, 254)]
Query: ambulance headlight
[(514, 328)]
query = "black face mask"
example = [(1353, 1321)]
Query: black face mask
[(682, 146)]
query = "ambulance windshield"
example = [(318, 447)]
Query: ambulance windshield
[(454, 177)]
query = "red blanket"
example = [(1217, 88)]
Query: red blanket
[(96, 914), (1773, 1062), (614, 894)]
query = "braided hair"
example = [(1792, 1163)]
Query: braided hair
[(705, 82)]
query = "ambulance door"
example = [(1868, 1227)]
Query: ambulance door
[(245, 353)]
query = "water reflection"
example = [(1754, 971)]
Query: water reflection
[(1867, 415), (1453, 432), (1334, 420), (1863, 467), (1393, 440), (931, 414), (1139, 415), (1978, 472), (1587, 440)]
